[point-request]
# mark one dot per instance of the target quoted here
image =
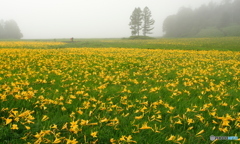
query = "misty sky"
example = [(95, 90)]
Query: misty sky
[(86, 18)]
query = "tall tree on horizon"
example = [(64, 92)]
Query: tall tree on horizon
[(12, 30), (136, 21), (147, 21)]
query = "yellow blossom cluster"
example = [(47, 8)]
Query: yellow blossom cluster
[(118, 95), (28, 44)]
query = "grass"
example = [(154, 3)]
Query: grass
[(67, 93), (223, 43)]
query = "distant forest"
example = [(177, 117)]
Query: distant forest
[(212, 20), (9, 30)]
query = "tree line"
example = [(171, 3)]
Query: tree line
[(9, 30), (141, 20), (206, 21)]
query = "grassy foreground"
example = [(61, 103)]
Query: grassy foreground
[(117, 95)]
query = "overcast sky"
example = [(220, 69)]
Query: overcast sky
[(86, 18)]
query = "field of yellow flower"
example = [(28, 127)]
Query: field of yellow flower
[(29, 44), (117, 95)]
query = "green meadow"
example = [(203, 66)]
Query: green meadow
[(221, 43), (120, 91)]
